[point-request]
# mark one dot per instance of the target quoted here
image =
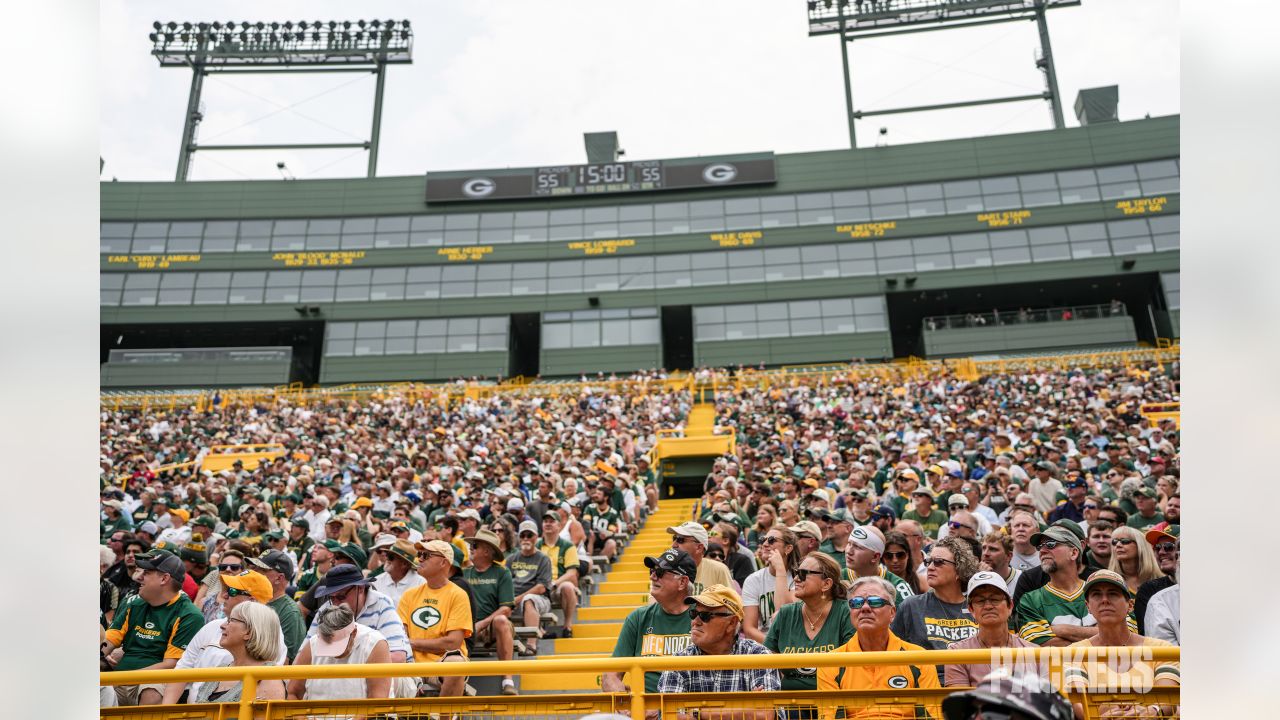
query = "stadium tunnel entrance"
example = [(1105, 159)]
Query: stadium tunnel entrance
[(1140, 293), (677, 337), (526, 345), (305, 337)]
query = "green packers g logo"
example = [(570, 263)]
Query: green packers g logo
[(426, 617)]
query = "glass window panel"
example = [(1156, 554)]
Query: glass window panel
[(531, 218), (1076, 178), (323, 242), (1002, 202), (557, 336), (492, 325), (245, 295), (1011, 255), (672, 226), (193, 229), (286, 227), (742, 222), (497, 220), (999, 185), (260, 243), (931, 191), (494, 271), (430, 238), (371, 329), (739, 313), (870, 323), (255, 228), (708, 314), (1087, 231), (635, 212), (817, 271), (868, 305), (532, 234), (856, 250), (1149, 187), (1047, 235), (466, 288), (779, 256), (354, 276), (665, 211), (742, 206), (850, 198), (615, 332), (1038, 181), (777, 203), (493, 288), (568, 216), (183, 245), (778, 219), (282, 294), (148, 245), (805, 309), (1037, 198), (888, 212), (423, 273), (382, 276), (248, 279), (713, 276), (837, 324), (586, 334), (213, 279), (392, 224), (139, 297), (961, 188), (151, 230), (1127, 228), (1113, 191), (600, 215), (317, 294), (357, 242), (352, 293), (746, 258), (431, 345), (371, 346), (210, 296), (1164, 223), (892, 248), (837, 306), (749, 274), (773, 328), (387, 292), (111, 281), (636, 227), (1132, 245), (669, 263), (855, 268), (461, 237), (289, 243), (178, 296), (175, 281), (566, 232), (888, 195), (455, 273), (114, 246), (852, 214), (491, 343), (463, 326), (436, 327), (707, 224), (960, 205), (391, 240), (973, 258), (1092, 248), (938, 261), (645, 331), (709, 332), (223, 228), (564, 268), (969, 241), (779, 273), (600, 230), (342, 330), (629, 265), (318, 278), (1117, 173), (586, 314), (818, 253), (1007, 238), (324, 227), (117, 230), (1049, 253), (402, 328), (467, 221), (926, 245), (339, 348), (739, 331), (895, 264), (1088, 193), (399, 346), (923, 208), (1146, 170), (821, 216), (528, 286), (806, 326)]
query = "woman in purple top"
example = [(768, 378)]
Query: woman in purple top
[(990, 603)]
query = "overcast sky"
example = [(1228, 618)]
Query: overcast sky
[(513, 83)]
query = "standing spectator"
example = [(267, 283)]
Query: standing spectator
[(818, 622), (872, 610), (153, 628), (770, 587), (437, 615), (991, 604), (716, 616), (495, 599), (939, 616), (660, 628), (340, 640)]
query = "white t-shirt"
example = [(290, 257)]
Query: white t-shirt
[(204, 651), (758, 590), (392, 589)]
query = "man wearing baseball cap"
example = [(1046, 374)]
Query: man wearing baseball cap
[(808, 536), (1148, 515), (839, 524), (495, 599), (715, 618), (1164, 541), (530, 579), (346, 584), (400, 563), (659, 628), (922, 511), (277, 567), (862, 558), (437, 614), (991, 603), (1056, 615), (154, 627), (692, 538)]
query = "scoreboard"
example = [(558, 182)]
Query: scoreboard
[(601, 178)]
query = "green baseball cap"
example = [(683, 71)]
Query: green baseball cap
[(355, 552)]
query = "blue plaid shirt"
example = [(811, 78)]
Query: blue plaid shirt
[(694, 681), (379, 613)]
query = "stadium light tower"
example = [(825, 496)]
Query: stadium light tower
[(289, 47), (853, 19)]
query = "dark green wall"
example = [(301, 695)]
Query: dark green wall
[(412, 367), (783, 351), (1031, 336), (193, 374), (593, 360)]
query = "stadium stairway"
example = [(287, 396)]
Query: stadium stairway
[(619, 591)]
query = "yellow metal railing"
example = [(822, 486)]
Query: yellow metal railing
[(635, 700)]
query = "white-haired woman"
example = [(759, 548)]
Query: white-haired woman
[(341, 640), (252, 636)]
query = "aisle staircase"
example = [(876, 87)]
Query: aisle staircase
[(619, 591)]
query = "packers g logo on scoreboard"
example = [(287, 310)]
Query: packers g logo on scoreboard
[(426, 617), (719, 173), (479, 187)]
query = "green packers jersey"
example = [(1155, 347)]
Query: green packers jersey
[(1043, 607), (651, 632), (491, 589), (151, 634), (787, 635), (604, 522)]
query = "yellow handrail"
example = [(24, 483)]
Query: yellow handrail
[(635, 666)]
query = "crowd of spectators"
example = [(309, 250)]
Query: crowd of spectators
[(858, 513)]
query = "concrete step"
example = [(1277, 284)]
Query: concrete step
[(562, 646), (596, 630), (623, 586), (632, 600), (560, 682), (603, 613), (625, 575)]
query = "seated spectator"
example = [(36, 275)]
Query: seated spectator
[(492, 587), (716, 617), (347, 585), (660, 628), (437, 615), (251, 636), (940, 617), (771, 586), (530, 580), (991, 604), (400, 562), (1164, 542), (1133, 558), (817, 622), (340, 640)]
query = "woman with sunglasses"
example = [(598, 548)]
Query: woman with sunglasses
[(1133, 558), (770, 587), (940, 617), (817, 622), (897, 560), (231, 561)]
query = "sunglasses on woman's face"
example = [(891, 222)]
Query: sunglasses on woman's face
[(895, 555), (236, 592), (802, 574), (770, 540), (230, 567), (875, 601), (1121, 541)]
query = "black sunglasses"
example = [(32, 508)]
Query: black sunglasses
[(527, 534), (1166, 547), (706, 615), (939, 562), (802, 574), (228, 567)]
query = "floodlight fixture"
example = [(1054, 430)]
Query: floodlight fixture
[(859, 20), (260, 47)]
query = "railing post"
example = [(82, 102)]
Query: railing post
[(248, 691), (637, 693)]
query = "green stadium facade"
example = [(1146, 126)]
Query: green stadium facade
[(871, 253)]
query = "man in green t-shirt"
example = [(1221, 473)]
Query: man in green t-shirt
[(1148, 515), (923, 512), (659, 628), (492, 588), (277, 567), (839, 525), (153, 627)]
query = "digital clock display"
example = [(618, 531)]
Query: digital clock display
[(596, 178)]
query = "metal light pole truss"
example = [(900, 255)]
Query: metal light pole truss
[(866, 19), (303, 47)]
